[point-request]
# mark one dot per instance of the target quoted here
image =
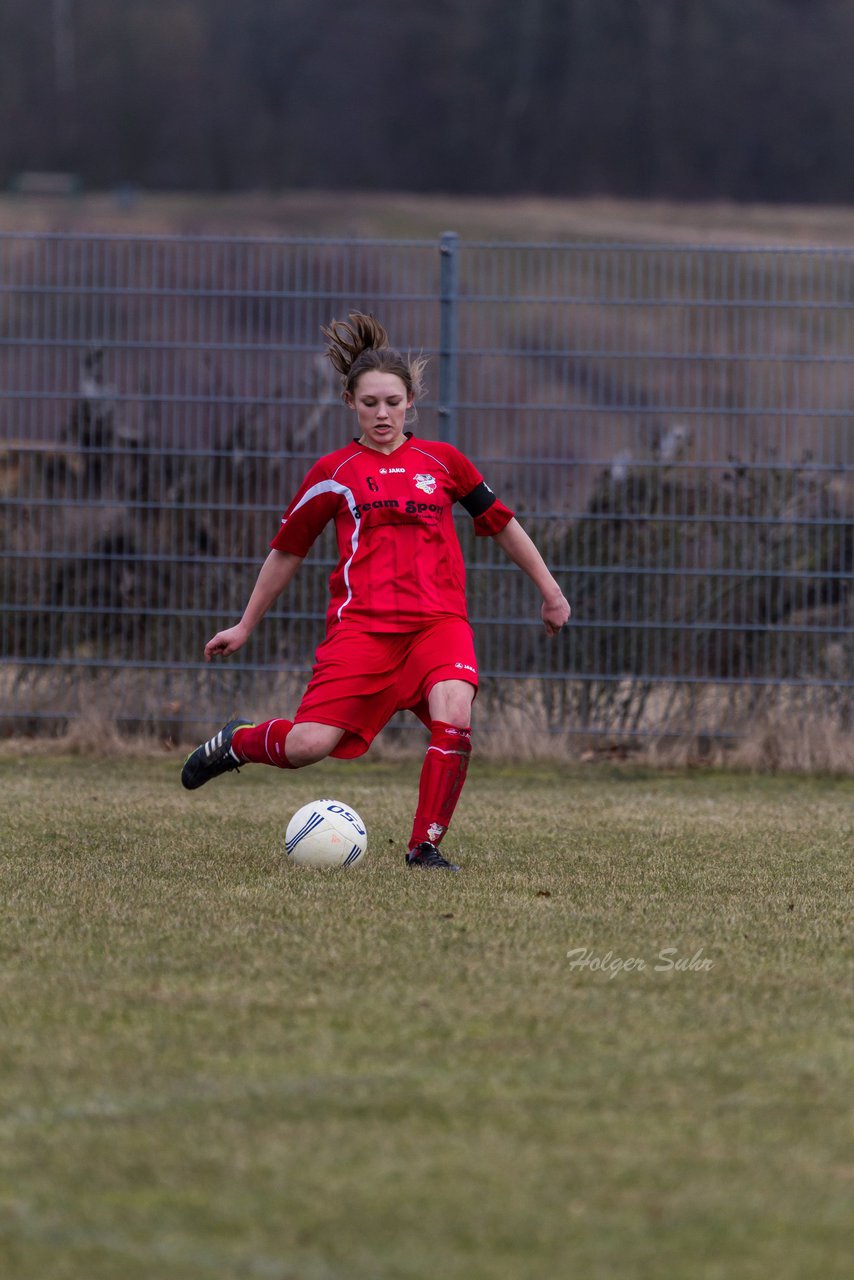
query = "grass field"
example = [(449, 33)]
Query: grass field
[(214, 1065)]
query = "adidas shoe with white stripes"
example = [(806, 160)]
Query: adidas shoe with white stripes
[(213, 757)]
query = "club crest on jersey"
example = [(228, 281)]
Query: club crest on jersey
[(426, 483)]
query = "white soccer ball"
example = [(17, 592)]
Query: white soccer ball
[(326, 833)]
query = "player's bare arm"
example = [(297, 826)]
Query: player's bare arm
[(520, 548), (276, 572)]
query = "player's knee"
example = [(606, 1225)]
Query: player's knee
[(450, 701), (308, 743), (459, 716)]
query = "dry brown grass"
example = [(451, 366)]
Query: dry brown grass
[(775, 745), (402, 214), (712, 728)]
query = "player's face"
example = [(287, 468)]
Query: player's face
[(380, 401)]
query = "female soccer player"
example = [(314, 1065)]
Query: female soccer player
[(397, 631)]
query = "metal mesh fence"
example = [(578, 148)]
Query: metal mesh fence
[(671, 424)]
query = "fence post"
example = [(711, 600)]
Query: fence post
[(449, 283)]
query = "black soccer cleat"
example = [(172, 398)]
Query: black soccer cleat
[(213, 757), (427, 855)]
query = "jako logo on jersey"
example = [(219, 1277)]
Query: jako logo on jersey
[(392, 471), (464, 666), (426, 483)]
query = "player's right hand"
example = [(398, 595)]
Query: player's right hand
[(555, 614), (226, 642)]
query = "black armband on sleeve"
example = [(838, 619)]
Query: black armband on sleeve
[(479, 500)]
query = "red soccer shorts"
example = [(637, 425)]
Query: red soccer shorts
[(360, 679)]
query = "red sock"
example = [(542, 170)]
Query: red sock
[(263, 743), (442, 776)]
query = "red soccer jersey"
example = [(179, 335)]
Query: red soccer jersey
[(400, 564)]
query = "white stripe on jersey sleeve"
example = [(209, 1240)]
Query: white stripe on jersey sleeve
[(332, 486)]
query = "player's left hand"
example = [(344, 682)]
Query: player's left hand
[(555, 614)]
